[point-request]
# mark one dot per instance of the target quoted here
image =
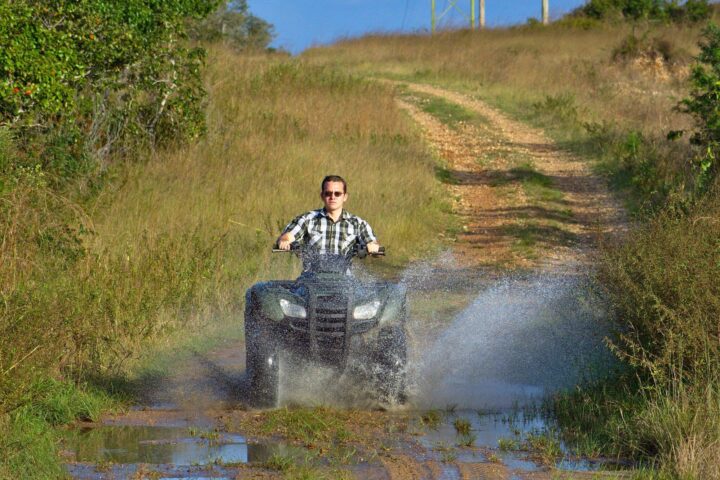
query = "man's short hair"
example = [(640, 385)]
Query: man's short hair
[(333, 178)]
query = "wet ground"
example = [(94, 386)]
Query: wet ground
[(484, 352), (431, 444)]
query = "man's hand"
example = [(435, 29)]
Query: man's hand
[(285, 240), (373, 247)]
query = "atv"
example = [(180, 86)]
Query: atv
[(330, 318)]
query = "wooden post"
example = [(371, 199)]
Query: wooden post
[(545, 12), (482, 13)]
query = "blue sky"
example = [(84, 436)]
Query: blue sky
[(302, 23)]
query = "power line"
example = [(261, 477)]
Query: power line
[(402, 26)]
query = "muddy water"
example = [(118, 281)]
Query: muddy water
[(168, 445)]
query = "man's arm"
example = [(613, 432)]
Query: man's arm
[(295, 230), (368, 237)]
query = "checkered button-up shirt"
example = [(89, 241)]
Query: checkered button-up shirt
[(318, 231)]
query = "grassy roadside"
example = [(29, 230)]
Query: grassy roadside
[(614, 107), (171, 243), (580, 84)]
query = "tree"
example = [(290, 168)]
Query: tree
[(704, 105), (233, 23)]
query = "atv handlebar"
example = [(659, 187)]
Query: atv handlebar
[(359, 251)]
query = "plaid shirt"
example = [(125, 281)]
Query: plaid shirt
[(317, 230)]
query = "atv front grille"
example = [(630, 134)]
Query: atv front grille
[(325, 327)]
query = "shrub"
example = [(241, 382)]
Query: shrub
[(702, 104), (108, 75), (663, 285), (235, 25), (689, 11)]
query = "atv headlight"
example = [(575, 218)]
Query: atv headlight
[(292, 309), (366, 310)]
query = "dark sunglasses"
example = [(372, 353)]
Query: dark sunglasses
[(329, 194)]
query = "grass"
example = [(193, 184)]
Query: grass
[(544, 446), (447, 112), (507, 444), (168, 243), (467, 440), (29, 442), (292, 470), (614, 112), (561, 78), (431, 419), (310, 426), (462, 426)]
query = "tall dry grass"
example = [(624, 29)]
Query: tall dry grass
[(276, 127), (174, 240), (527, 64)]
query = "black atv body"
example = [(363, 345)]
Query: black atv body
[(331, 318)]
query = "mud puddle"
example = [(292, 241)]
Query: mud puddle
[(522, 441), (169, 452), (160, 445)]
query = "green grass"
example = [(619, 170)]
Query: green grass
[(536, 185), (432, 419), (507, 444), (467, 439), (447, 112), (28, 437), (308, 425), (544, 446), (292, 469), (446, 176), (462, 426)]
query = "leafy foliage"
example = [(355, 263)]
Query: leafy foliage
[(690, 10), (100, 76), (703, 104), (233, 24)]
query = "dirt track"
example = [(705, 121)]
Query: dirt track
[(504, 225), (485, 160)]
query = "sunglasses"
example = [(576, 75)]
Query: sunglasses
[(329, 194)]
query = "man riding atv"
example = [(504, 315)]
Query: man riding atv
[(327, 316), (330, 229)]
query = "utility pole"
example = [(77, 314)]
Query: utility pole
[(482, 13), (433, 17), (545, 12), (453, 5), (472, 14)]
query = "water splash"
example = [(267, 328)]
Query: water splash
[(519, 339)]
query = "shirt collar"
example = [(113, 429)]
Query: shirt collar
[(343, 216)]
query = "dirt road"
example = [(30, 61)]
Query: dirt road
[(524, 203)]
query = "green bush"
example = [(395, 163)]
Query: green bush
[(663, 285), (233, 23), (98, 76), (702, 104), (688, 11)]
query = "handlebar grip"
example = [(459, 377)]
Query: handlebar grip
[(294, 247)]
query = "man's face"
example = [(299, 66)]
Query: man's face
[(334, 196)]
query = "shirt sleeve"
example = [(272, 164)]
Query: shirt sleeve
[(365, 232), (297, 226)]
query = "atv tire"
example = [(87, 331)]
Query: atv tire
[(391, 368), (262, 365)]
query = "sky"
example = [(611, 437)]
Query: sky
[(300, 24)]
